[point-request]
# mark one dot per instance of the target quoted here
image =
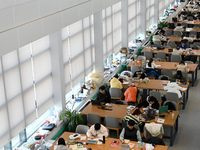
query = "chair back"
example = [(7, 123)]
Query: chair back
[(142, 57), (171, 44), (190, 18), (157, 43), (148, 54), (196, 45), (111, 122), (156, 59), (82, 129), (172, 97), (196, 26), (168, 32), (163, 77), (175, 58), (93, 118), (157, 95), (193, 34), (171, 105), (161, 55), (184, 25), (167, 72), (178, 33), (115, 92), (134, 68), (185, 74)]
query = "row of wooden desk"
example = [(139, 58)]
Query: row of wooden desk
[(168, 65), (120, 112), (107, 145)]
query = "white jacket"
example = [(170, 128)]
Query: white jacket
[(174, 88), (61, 147), (103, 131)]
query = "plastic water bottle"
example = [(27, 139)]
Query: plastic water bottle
[(172, 115)]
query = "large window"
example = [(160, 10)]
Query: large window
[(111, 30), (25, 74), (78, 52), (150, 10), (134, 16)]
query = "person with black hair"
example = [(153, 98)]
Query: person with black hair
[(183, 45), (150, 66), (103, 95), (184, 12), (130, 133), (97, 131), (150, 101), (139, 74), (115, 83), (61, 145), (182, 67), (178, 77)]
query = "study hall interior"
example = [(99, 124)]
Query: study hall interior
[(50, 48)]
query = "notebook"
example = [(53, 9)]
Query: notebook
[(163, 109), (124, 146)]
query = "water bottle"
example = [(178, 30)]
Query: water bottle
[(172, 115)]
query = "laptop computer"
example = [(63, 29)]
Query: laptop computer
[(96, 102), (163, 109), (151, 113), (124, 146)]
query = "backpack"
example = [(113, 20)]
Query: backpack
[(171, 105)]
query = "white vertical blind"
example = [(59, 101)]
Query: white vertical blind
[(78, 50), (4, 130), (27, 83), (13, 92), (42, 74), (149, 13), (133, 18), (111, 29)]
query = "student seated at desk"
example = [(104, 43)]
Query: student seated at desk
[(130, 133), (61, 145), (115, 83), (183, 45), (131, 94), (150, 66), (103, 95), (150, 101), (136, 116), (174, 88), (178, 77), (184, 12), (182, 67), (191, 2), (97, 131), (139, 74)]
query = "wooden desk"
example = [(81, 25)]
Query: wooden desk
[(105, 146), (174, 38), (188, 22), (159, 85), (120, 112), (185, 29)]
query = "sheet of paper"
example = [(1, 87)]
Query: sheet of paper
[(126, 141), (125, 82), (131, 145), (83, 137), (183, 89), (160, 120)]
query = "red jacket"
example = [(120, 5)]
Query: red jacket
[(130, 94)]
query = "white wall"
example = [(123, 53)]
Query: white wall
[(24, 21)]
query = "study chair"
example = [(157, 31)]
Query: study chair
[(173, 97), (193, 34), (148, 54), (134, 68), (156, 59), (116, 93), (196, 25), (163, 77), (167, 72), (142, 57), (189, 62), (168, 103), (175, 58), (161, 55), (168, 32), (184, 25), (178, 33), (196, 45), (82, 129), (157, 43), (92, 119), (190, 18), (147, 134), (157, 95), (171, 44), (112, 123), (185, 74)]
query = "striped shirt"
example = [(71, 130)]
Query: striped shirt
[(137, 119)]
